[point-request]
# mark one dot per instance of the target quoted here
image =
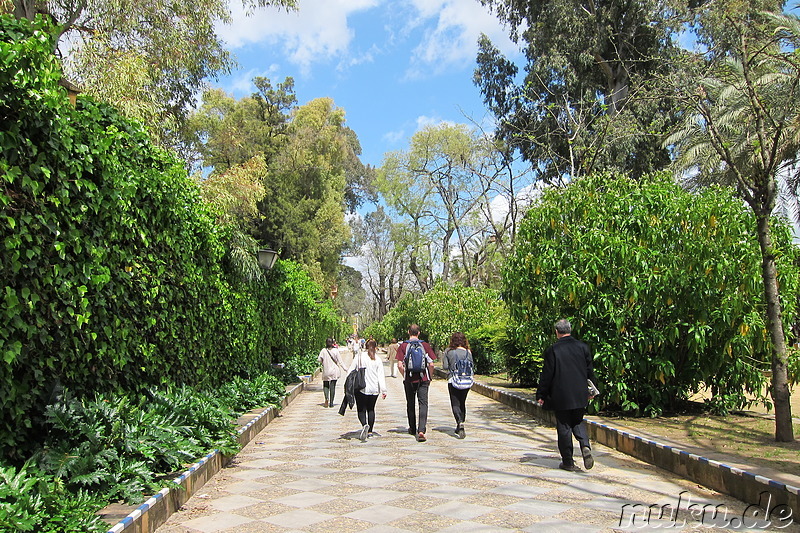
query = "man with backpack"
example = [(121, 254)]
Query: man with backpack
[(415, 361)]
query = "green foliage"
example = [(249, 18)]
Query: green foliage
[(123, 447), (446, 309), (111, 263), (31, 500), (586, 102), (395, 323), (440, 312), (663, 284), (262, 391), (116, 447), (490, 347)]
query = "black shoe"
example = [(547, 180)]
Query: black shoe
[(568, 468), (460, 433), (588, 460), (412, 431)]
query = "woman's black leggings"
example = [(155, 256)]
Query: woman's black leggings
[(458, 402), (365, 404)]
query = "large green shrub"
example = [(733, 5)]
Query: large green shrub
[(664, 284), (395, 323), (446, 309)]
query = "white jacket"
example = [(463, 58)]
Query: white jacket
[(374, 376)]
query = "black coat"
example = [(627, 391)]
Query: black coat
[(349, 392), (567, 366)]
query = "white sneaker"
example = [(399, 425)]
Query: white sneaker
[(364, 432)]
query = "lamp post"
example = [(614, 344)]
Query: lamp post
[(357, 317), (267, 258)]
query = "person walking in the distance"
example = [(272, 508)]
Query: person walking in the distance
[(458, 360), (331, 362), (391, 357), (374, 385), (563, 388), (415, 362)]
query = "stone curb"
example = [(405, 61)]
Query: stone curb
[(748, 487), (155, 511)]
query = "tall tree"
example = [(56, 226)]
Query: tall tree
[(384, 250), (302, 213), (446, 184), (585, 103), (234, 195), (149, 57), (226, 132), (742, 127)]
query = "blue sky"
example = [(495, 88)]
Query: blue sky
[(392, 65)]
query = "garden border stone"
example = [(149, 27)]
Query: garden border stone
[(153, 513), (761, 491)]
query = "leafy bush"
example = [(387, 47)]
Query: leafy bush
[(440, 312), (31, 500), (121, 447), (265, 390), (665, 285), (117, 448), (395, 323), (489, 344)]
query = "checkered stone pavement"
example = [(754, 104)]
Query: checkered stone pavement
[(308, 471)]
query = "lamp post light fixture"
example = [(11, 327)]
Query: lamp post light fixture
[(267, 258)]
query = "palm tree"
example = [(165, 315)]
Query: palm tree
[(742, 128)]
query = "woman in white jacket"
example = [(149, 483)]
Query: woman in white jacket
[(375, 385)]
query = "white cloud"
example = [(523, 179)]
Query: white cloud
[(317, 30), (453, 40), (320, 30), (425, 121), (242, 82), (393, 137)]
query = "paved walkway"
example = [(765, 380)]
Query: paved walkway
[(307, 471)]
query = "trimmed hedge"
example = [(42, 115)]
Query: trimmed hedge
[(111, 263)]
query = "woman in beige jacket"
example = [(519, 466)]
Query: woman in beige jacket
[(331, 362)]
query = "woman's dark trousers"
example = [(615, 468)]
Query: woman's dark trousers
[(458, 402), (329, 389), (365, 405)]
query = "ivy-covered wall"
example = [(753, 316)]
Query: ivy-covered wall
[(110, 262)]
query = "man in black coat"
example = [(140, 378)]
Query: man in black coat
[(563, 389)]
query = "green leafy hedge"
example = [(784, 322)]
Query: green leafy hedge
[(111, 263), (477, 312), (664, 284)]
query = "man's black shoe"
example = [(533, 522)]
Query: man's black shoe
[(412, 431), (568, 468), (588, 460)]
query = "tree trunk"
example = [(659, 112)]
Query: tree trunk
[(24, 9), (446, 255), (780, 379)]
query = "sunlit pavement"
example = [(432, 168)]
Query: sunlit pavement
[(308, 471)]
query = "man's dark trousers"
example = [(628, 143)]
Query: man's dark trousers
[(568, 423), (417, 391)]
